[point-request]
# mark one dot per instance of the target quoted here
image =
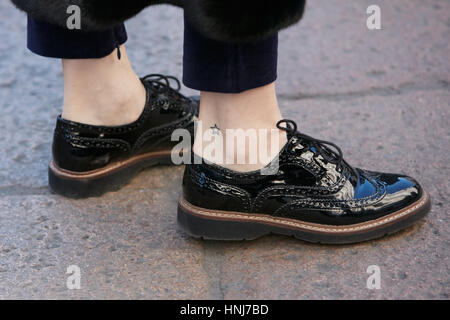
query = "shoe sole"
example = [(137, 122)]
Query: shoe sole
[(226, 225), (110, 178)]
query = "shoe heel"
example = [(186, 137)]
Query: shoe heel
[(84, 188), (214, 229), (75, 185)]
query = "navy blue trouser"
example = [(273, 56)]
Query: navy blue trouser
[(208, 65)]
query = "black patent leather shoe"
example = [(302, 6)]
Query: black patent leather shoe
[(91, 160), (314, 196)]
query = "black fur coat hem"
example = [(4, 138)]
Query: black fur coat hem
[(223, 20)]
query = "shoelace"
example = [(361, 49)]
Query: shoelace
[(161, 84), (321, 146)]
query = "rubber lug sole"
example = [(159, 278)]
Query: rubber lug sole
[(224, 225), (98, 182)]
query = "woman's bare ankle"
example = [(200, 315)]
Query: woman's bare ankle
[(250, 116), (102, 91)]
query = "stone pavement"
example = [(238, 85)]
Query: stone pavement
[(382, 95)]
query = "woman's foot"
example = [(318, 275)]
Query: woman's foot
[(113, 124), (314, 195), (89, 160)]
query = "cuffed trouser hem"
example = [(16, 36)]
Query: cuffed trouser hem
[(210, 65), (56, 42)]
